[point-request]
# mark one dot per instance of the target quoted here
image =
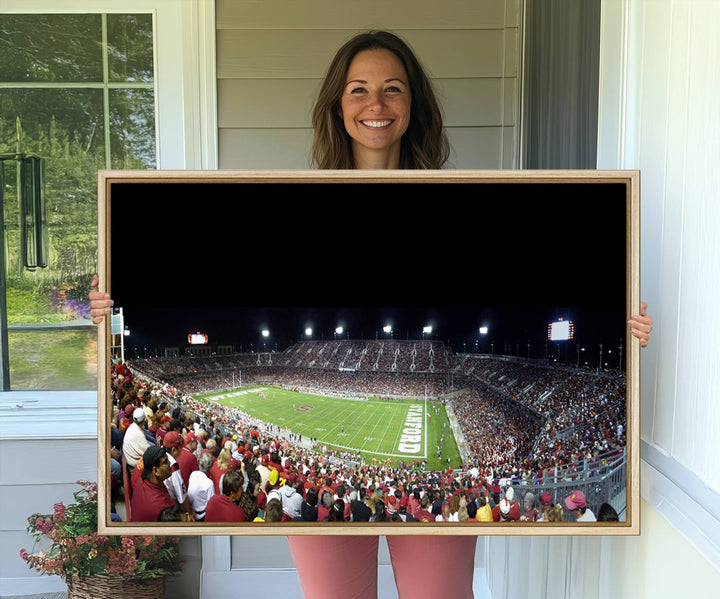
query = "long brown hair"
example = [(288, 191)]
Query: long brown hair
[(424, 144)]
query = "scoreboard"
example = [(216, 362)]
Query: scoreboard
[(561, 330)]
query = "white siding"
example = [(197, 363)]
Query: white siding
[(669, 126), (271, 58), (660, 84)]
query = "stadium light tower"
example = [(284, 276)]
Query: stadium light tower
[(308, 332), (387, 329), (483, 334), (427, 331), (338, 332)]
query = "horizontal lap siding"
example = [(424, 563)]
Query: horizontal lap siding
[(271, 58), (36, 475), (355, 14)]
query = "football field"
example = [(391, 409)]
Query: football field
[(401, 431)]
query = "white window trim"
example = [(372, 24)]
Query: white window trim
[(185, 77), (186, 117), (689, 504), (41, 415), (685, 500)]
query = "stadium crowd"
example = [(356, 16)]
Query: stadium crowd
[(196, 460)]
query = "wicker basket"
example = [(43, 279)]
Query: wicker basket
[(116, 587)]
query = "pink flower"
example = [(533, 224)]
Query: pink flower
[(128, 543), (43, 526), (59, 512), (121, 561)]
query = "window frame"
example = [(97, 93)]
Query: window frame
[(186, 138), (186, 130)]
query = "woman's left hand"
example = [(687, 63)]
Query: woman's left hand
[(641, 325)]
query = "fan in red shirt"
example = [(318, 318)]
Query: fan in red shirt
[(150, 496), (187, 460), (222, 508)]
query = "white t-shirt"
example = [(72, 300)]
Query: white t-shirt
[(200, 490), (588, 516), (175, 483)]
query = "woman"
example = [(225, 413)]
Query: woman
[(553, 513), (363, 117), (376, 109), (484, 512), (337, 513), (324, 506), (309, 509), (219, 468), (462, 513), (531, 512), (454, 508)]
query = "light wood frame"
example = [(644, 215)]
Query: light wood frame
[(313, 182)]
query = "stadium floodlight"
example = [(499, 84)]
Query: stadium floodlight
[(483, 330), (126, 332), (427, 330), (265, 333), (308, 332), (339, 331), (387, 329)]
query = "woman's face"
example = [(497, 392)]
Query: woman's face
[(375, 105)]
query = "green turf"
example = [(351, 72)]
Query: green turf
[(374, 428)]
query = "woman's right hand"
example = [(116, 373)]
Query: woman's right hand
[(100, 302), (641, 325)]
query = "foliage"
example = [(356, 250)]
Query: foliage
[(77, 550), (66, 125), (54, 358), (77, 129)]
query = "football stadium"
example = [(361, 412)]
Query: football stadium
[(411, 429)]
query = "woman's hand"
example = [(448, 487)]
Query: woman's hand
[(100, 303), (641, 325)]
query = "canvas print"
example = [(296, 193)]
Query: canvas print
[(306, 354)]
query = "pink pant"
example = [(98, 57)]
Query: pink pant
[(346, 566)]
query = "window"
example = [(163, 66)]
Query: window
[(78, 92)]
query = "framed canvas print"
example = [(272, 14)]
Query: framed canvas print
[(361, 352)]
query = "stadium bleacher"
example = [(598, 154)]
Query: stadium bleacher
[(530, 425)]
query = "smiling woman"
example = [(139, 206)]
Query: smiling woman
[(375, 108), (364, 104)]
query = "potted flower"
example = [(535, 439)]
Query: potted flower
[(95, 565)]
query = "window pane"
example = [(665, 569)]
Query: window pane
[(54, 359), (132, 128), (130, 48), (51, 120), (65, 128), (52, 342), (42, 48)]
